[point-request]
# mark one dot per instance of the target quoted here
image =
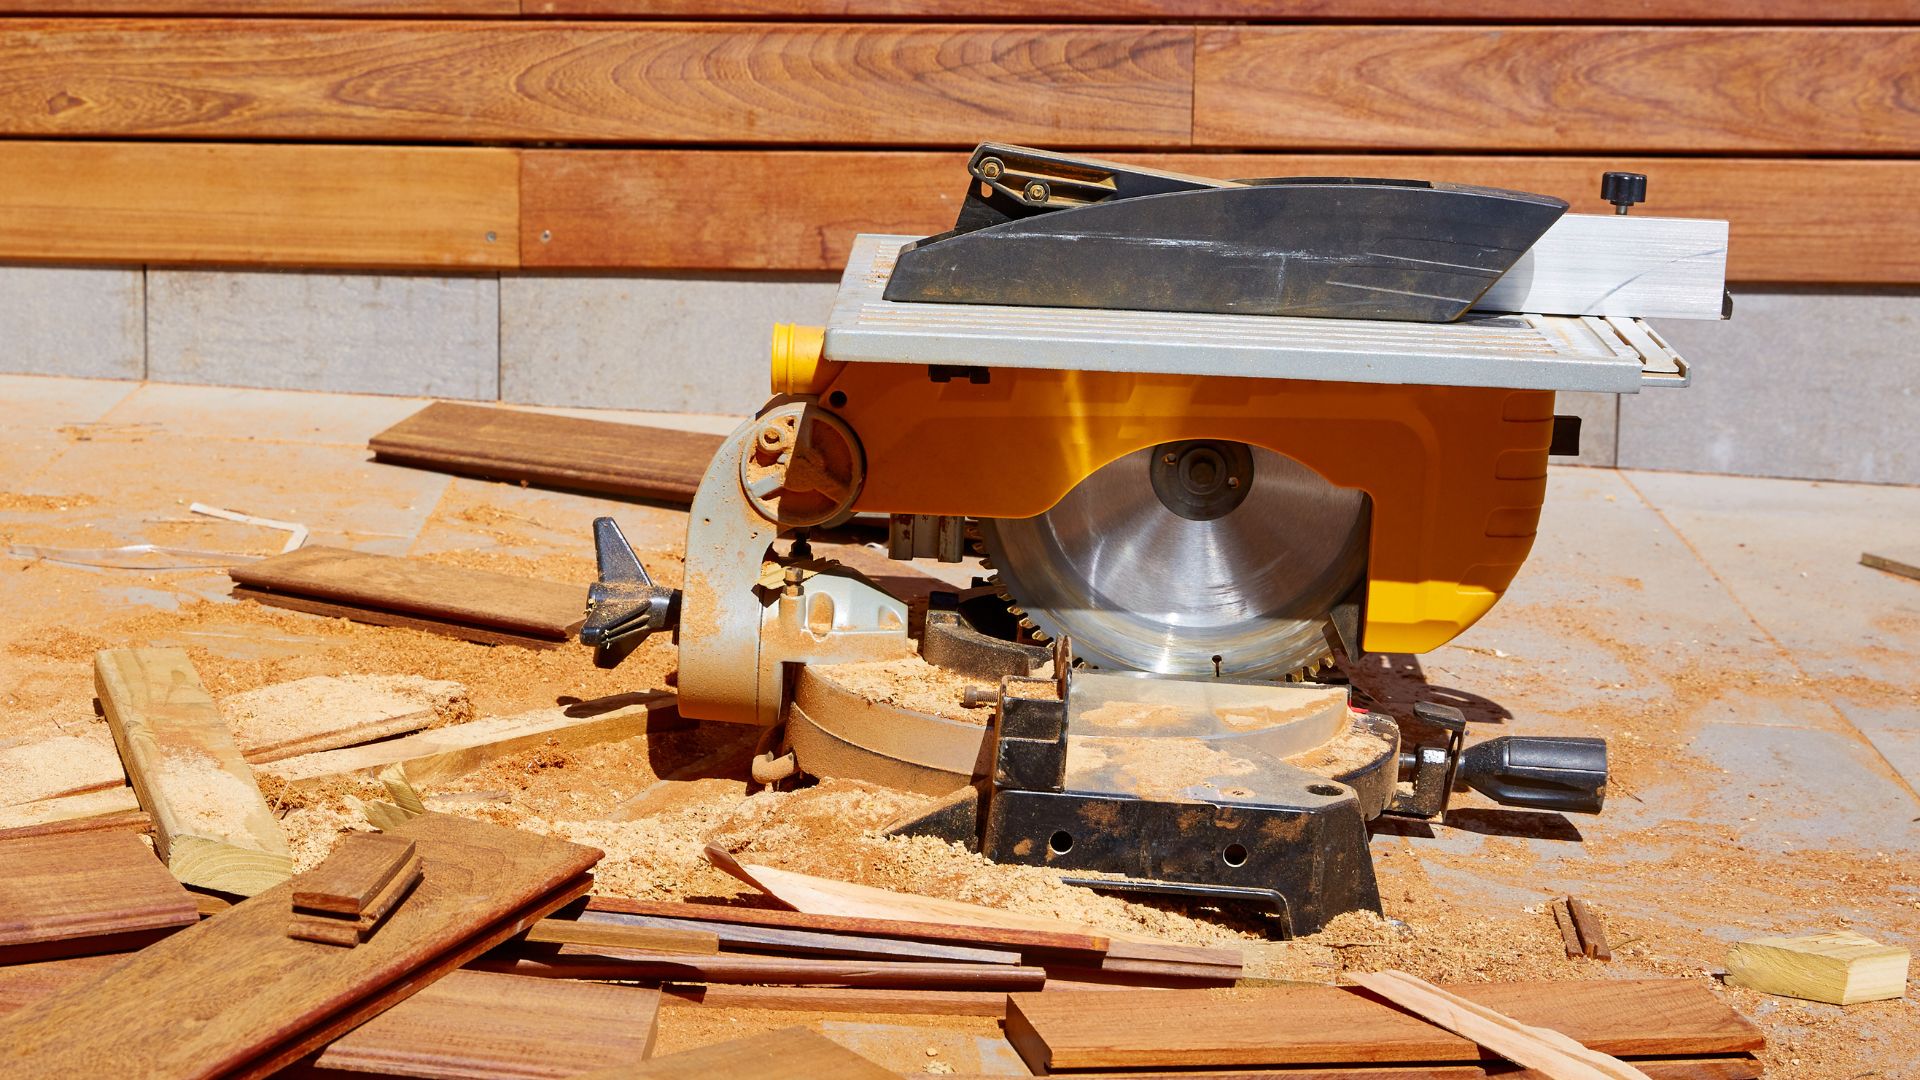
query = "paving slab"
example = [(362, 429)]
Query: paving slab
[(254, 415), (59, 320)]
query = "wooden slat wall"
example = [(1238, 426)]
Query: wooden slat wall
[(762, 134)]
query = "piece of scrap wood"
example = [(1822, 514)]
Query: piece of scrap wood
[(235, 997), (598, 962), (1840, 968), (1037, 942), (838, 999), (1542, 1049), (332, 928), (1586, 923), (90, 892), (1569, 933), (1905, 566), (326, 712), (1144, 1029), (211, 824), (550, 451), (442, 754), (353, 873), (420, 589), (56, 767), (793, 1053), (614, 935), (114, 808), (374, 617), (769, 939), (476, 1025)]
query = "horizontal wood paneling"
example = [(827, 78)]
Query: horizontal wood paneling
[(1620, 11), (258, 205), (363, 8), (1805, 220), (588, 82), (1571, 89)]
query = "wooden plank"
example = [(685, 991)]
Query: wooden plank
[(254, 204), (419, 587), (598, 935), (1026, 940), (601, 962), (1569, 933), (234, 996), (1204, 10), (353, 873), (326, 712), (349, 930), (211, 824), (590, 82), (1305, 1025), (550, 451), (62, 765), (1840, 968), (793, 1053), (444, 753), (1573, 89), (1736, 1067), (1906, 566), (1792, 220), (117, 808), (1586, 922), (532, 1028), (831, 999), (85, 893), (376, 617), (1540, 1049), (737, 938)]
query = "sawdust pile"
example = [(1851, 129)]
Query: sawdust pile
[(910, 683)]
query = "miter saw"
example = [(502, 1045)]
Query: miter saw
[(1207, 436)]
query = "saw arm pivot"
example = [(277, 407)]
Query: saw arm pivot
[(624, 606)]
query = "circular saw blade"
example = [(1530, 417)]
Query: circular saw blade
[(1139, 587)]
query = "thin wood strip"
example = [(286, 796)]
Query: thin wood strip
[(575, 962), (742, 938), (426, 81), (377, 617), (1569, 933), (1792, 220), (115, 808), (1737, 1067), (551, 451), (1593, 937), (353, 873), (349, 930), (598, 935), (1037, 941), (1205, 10), (1539, 1048), (827, 999)]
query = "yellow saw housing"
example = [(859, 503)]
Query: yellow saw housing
[(1456, 475)]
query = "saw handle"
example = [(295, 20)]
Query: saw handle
[(1539, 772)]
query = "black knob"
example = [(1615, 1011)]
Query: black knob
[(1623, 189), (1569, 775)]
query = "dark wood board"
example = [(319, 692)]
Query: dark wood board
[(513, 445), (397, 80), (736, 937), (1036, 941), (431, 591), (786, 1054), (85, 892), (353, 873), (234, 996), (579, 962), (476, 1025), (1309, 1025), (838, 999), (1195, 10), (1716, 1067)]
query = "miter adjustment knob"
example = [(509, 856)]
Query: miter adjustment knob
[(1623, 189)]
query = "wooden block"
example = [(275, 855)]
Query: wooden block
[(331, 928), (532, 1028), (1907, 566), (1028, 941), (550, 451), (605, 962), (1807, 220), (1115, 1029), (1541, 1049), (397, 80), (422, 589), (1840, 968), (114, 808), (822, 999), (358, 868), (326, 712), (1548, 88), (1608, 264), (91, 892), (1593, 938), (258, 204), (786, 1054), (234, 996), (1569, 933), (769, 939), (210, 823), (62, 765), (612, 935), (444, 753)]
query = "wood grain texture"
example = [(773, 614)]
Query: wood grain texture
[(613, 935), (769, 939), (593, 82), (1167, 1028), (62, 765), (248, 204), (100, 810), (1026, 940), (211, 824), (234, 996), (352, 874), (1541, 1049), (1792, 220), (421, 588), (600, 962), (83, 893), (375, 617), (327, 712), (444, 753), (534, 1029), (551, 451), (786, 1054), (256, 8), (1202, 10), (333, 928), (1573, 89), (823, 999)]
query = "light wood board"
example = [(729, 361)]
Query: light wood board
[(211, 824), (114, 808), (326, 712), (1841, 968)]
